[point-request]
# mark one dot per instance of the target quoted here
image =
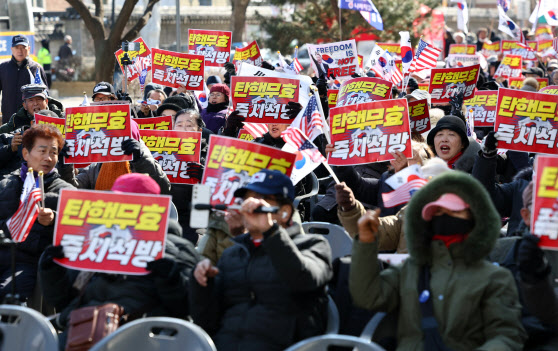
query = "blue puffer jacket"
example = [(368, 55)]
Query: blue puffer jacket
[(266, 297)]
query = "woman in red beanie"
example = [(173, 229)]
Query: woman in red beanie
[(214, 115)]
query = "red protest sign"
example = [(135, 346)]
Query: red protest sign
[(157, 123), (526, 121), (368, 132), (96, 133), (462, 49), (543, 82), (550, 89), (214, 45), (419, 115), (141, 59), (361, 61), (483, 105), (509, 67), (364, 89), (173, 150), (393, 48), (249, 54), (263, 99), (106, 232), (544, 214), (175, 70), (546, 49), (332, 97), (59, 123), (231, 163), (512, 47), (517, 83), (243, 134), (490, 49), (424, 86), (448, 82)]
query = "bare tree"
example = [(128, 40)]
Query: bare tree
[(238, 19), (105, 39)]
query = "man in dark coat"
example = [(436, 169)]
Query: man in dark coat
[(14, 74), (268, 290), (41, 144)]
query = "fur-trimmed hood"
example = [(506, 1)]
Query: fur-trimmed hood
[(487, 221)]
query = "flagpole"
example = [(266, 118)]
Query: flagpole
[(42, 187), (340, 27), (333, 175)]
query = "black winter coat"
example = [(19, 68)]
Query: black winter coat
[(12, 78), (23, 118), (151, 294), (40, 236), (269, 297)]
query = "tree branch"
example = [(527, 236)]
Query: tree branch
[(134, 31), (120, 24), (99, 9), (93, 24)]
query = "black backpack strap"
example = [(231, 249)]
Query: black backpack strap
[(429, 324)]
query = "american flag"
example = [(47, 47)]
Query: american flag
[(255, 129), (294, 137), (403, 194), (21, 222), (38, 79), (425, 57), (296, 66), (311, 122)]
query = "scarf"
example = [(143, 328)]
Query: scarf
[(217, 107), (453, 160), (109, 172)]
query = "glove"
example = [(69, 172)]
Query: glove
[(194, 170), (132, 147), (64, 152), (489, 145), (233, 124), (267, 65), (531, 261), (456, 102), (50, 253), (293, 109), (344, 196), (229, 68), (123, 96), (321, 84), (165, 268), (401, 95)]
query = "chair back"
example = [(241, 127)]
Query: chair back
[(324, 342), (24, 329), (340, 241)]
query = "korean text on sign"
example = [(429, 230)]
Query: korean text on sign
[(332, 97), (483, 105), (544, 223), (96, 133), (509, 67), (214, 45), (368, 132), (448, 82), (154, 123), (551, 89), (232, 162), (263, 99), (107, 232), (365, 89), (527, 121), (249, 54), (511, 47), (174, 69), (462, 49), (419, 115), (59, 123), (143, 54), (174, 150)]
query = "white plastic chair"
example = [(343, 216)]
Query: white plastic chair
[(155, 334), (323, 342), (340, 241), (24, 329)]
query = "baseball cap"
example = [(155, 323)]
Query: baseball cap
[(269, 182), (450, 201), (420, 95), (103, 88), (534, 70), (32, 90), (138, 183), (19, 40)]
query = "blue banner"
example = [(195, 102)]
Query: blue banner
[(6, 43)]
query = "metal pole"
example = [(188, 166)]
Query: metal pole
[(340, 28), (112, 15), (178, 22)]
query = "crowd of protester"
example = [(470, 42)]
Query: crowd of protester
[(474, 279)]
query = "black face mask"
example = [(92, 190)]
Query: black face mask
[(217, 107), (448, 225)]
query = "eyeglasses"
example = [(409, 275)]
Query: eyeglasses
[(216, 94)]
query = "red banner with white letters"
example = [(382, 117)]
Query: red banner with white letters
[(364, 89), (155, 123), (175, 69), (448, 82), (544, 213), (214, 45), (483, 105), (419, 115)]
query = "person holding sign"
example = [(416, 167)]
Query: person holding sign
[(268, 290), (214, 115), (448, 296), (41, 145), (162, 292)]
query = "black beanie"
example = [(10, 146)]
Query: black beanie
[(452, 123)]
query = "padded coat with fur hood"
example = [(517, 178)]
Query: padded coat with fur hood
[(475, 302)]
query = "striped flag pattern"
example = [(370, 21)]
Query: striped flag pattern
[(403, 194), (310, 122), (23, 219), (294, 137), (425, 57), (256, 130), (296, 66)]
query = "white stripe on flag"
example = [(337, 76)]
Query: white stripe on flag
[(402, 194)]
